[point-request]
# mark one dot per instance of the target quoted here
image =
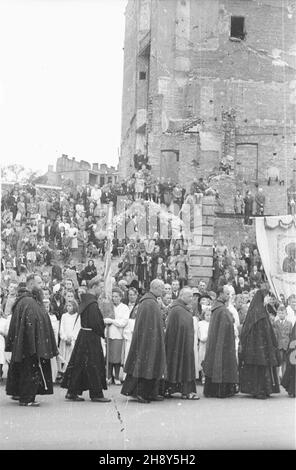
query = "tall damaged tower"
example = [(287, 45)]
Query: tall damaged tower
[(211, 79)]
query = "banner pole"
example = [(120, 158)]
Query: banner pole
[(107, 275)]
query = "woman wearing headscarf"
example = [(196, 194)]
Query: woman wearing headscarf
[(259, 352), (90, 270)]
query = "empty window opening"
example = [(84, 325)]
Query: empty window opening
[(142, 76), (238, 27)]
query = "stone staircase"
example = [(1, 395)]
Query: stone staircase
[(201, 251)]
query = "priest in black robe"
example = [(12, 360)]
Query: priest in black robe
[(220, 364), (259, 356), (179, 347), (32, 343), (289, 377), (86, 367), (145, 365)]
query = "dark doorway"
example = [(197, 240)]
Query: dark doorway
[(238, 27), (93, 179), (169, 164)]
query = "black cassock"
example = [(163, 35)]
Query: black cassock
[(259, 353), (220, 364), (32, 343), (145, 365), (179, 348), (86, 368)]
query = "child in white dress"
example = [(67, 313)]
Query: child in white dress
[(54, 362), (129, 328), (69, 329), (203, 328)]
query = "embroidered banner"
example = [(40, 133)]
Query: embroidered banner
[(276, 241)]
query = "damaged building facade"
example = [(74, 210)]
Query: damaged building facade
[(211, 79), (82, 172)]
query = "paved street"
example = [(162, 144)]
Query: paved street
[(240, 422), (234, 423)]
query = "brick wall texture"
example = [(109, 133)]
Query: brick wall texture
[(241, 92), (239, 95)]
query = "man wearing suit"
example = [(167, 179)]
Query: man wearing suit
[(175, 289), (224, 279), (242, 269), (218, 270), (283, 328), (242, 286), (255, 277), (235, 282)]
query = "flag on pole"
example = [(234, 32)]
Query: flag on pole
[(107, 305)]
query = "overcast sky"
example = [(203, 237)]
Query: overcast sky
[(61, 70)]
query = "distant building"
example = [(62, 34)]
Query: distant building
[(80, 172)]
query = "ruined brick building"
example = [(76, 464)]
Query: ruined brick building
[(82, 172), (79, 172), (207, 79)]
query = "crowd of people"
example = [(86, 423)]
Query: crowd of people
[(39, 226), (157, 344), (52, 277), (42, 228), (249, 205)]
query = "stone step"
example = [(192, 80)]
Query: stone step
[(202, 251), (200, 271), (206, 261)]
